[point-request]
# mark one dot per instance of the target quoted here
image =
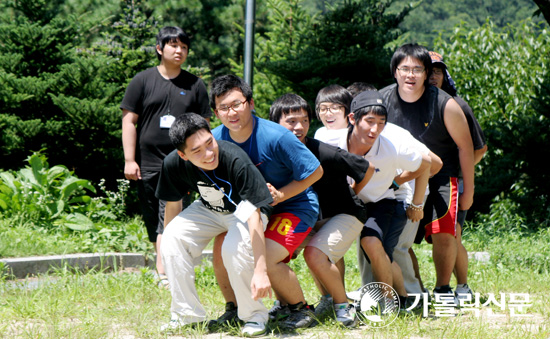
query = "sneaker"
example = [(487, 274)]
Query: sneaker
[(347, 316), (253, 329), (278, 311), (464, 293), (325, 308), (172, 326), (229, 318), (354, 296), (177, 324), (301, 316), (444, 294)]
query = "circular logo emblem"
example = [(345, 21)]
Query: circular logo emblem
[(379, 304)]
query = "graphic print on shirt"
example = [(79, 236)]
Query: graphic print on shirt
[(212, 196)]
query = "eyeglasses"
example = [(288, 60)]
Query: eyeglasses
[(234, 106), (407, 70), (333, 109)]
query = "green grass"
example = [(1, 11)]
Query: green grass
[(130, 305), (24, 240)]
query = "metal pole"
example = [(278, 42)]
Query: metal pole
[(250, 15)]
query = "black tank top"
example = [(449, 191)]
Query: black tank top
[(424, 120)]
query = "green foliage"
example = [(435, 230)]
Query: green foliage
[(214, 39), (433, 17), (500, 74), (303, 53), (40, 193)]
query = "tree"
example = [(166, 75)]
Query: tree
[(500, 74), (544, 8)]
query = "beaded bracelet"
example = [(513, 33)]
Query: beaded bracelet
[(416, 207)]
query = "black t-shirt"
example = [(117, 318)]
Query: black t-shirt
[(151, 96), (235, 177), (424, 119), (333, 189)]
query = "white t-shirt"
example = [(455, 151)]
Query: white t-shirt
[(386, 158), (399, 135), (330, 136)]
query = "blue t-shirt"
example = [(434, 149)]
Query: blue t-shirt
[(281, 158)]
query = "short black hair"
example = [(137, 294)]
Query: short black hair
[(185, 126), (171, 34), (225, 83), (414, 51), (288, 103), (336, 94), (358, 87)]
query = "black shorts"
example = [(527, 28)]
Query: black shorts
[(386, 220)]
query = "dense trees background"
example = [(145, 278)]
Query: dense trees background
[(64, 66)]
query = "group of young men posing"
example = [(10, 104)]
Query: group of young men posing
[(267, 192)]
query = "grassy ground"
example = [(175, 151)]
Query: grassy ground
[(130, 305)]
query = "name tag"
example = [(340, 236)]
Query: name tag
[(244, 210), (166, 121)]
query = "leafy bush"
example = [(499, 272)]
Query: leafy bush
[(500, 73), (42, 194)]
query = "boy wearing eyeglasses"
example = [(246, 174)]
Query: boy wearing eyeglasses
[(289, 169), (435, 119), (341, 216), (233, 198), (332, 108)]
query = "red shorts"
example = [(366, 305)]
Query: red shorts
[(282, 229), (440, 210)]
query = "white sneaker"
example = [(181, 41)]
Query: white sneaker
[(354, 295), (172, 326), (253, 329), (347, 316)]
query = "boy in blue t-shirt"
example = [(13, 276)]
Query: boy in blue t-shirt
[(289, 169)]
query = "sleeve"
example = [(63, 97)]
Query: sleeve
[(296, 155), (250, 182), (132, 100), (355, 166), (171, 186), (409, 158)]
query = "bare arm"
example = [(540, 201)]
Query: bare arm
[(172, 209), (457, 126), (129, 141), (437, 164), (408, 175), (294, 187), (260, 284), (415, 211), (479, 153)]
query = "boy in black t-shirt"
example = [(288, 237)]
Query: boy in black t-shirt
[(341, 216), (233, 198), (153, 99)]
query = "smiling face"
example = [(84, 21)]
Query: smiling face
[(333, 115), (410, 84), (201, 149), (297, 123), (239, 121)]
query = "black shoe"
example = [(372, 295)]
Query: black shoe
[(229, 319), (278, 311), (301, 316)]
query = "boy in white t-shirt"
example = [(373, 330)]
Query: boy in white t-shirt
[(332, 108)]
